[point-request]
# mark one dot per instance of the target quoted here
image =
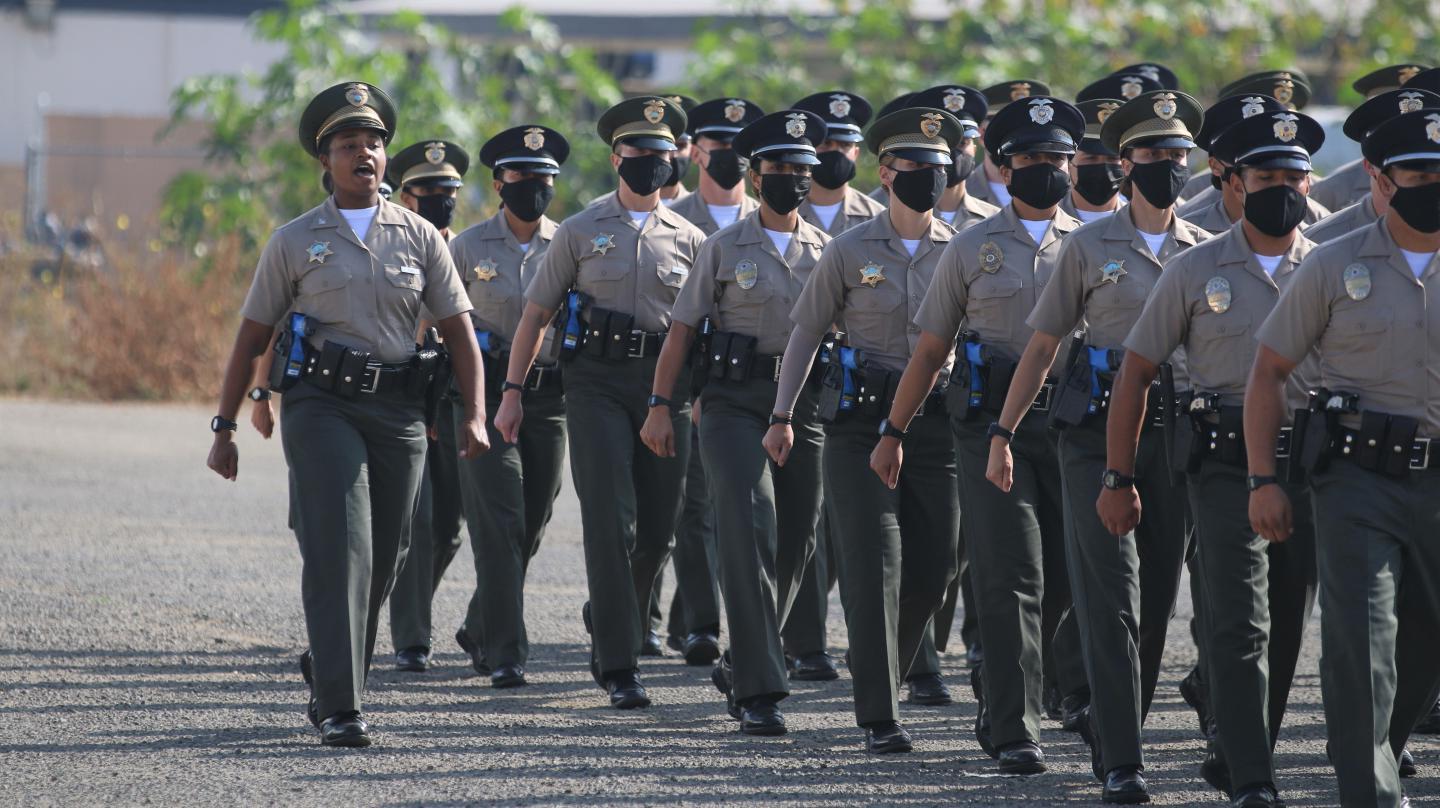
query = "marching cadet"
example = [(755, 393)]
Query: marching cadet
[(745, 280), (1095, 172), (1348, 183), (616, 267), (355, 272), (1123, 591), (671, 192), (429, 175), (957, 207), (1366, 118), (987, 280), (1200, 192), (986, 184), (895, 104), (719, 201), (1258, 595), (509, 492), (895, 548), (833, 205), (1363, 302)]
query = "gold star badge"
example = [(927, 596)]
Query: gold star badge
[(1112, 272), (318, 252), (603, 243), (872, 274), (485, 270)]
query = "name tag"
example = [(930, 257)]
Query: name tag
[(410, 270), (679, 270)]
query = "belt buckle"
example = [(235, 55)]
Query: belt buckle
[(1420, 454), (775, 375), (637, 345), (536, 378), (1042, 399), (370, 380), (1282, 442)]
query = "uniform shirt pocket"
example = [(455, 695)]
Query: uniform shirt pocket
[(672, 274), (324, 294), (406, 276), (744, 310), (1224, 350), (873, 312), (1357, 343)]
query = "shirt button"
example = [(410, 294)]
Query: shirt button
[(914, 329)]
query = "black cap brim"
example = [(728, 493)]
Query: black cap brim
[(928, 156), (1166, 142), (656, 143), (1092, 145), (1279, 161), (436, 182), (1427, 163)]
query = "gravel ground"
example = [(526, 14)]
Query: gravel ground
[(150, 619)]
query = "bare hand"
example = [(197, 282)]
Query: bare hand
[(224, 456), (509, 416), (1000, 470), (262, 417), (1119, 510), (1270, 513), (695, 413), (476, 441), (777, 442), (658, 433), (885, 461)]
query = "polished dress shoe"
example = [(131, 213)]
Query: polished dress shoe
[(508, 676), (626, 692), (1260, 795), (1021, 757), (701, 647), (1073, 711), (1430, 724), (650, 645), (413, 660), (1214, 770), (760, 716), (1125, 786), (307, 672), (1407, 763), (887, 738), (928, 689), (1197, 695), (815, 667), (345, 729), (471, 650)]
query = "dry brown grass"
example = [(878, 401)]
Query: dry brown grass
[(153, 327)]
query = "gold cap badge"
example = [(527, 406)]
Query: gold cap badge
[(734, 110), (930, 124), (655, 111), (1019, 90), (1130, 86), (435, 153), (1165, 106), (357, 94), (1105, 109)]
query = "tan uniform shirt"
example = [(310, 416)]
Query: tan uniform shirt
[(1210, 301), (1197, 185), (628, 266), (1212, 217), (977, 185), (1068, 205), (366, 295), (854, 209), (989, 279), (496, 271), (696, 212), (1344, 221), (1385, 346), (971, 212), (745, 286), (1342, 188), (870, 285), (606, 197)]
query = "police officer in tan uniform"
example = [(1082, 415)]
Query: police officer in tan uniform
[(988, 280), (1095, 172), (1364, 302), (1209, 300), (957, 207), (745, 281), (720, 199), (1345, 185), (358, 269), (833, 205), (509, 492), (671, 192), (986, 184), (895, 548), (1201, 191), (1123, 590), (624, 261)]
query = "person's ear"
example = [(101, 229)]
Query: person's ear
[(496, 185), (614, 160)]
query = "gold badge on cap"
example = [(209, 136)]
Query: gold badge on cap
[(1165, 106), (1112, 271), (930, 124), (871, 274), (1284, 88), (318, 252), (839, 105), (655, 111), (534, 139), (1217, 294), (357, 94), (435, 153), (954, 99), (1253, 106), (602, 244), (1432, 129), (1131, 86), (1357, 281), (1019, 90), (1105, 110), (795, 124), (486, 270), (1286, 127), (1407, 72), (734, 110), (1040, 111), (747, 274), (1411, 101), (991, 258)]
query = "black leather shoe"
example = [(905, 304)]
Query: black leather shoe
[(1087, 734), (626, 692), (1021, 757), (508, 676), (1430, 724), (650, 645), (702, 647), (307, 673), (413, 660), (1195, 693), (1125, 786), (345, 729), (471, 650), (1260, 795), (1214, 770), (722, 676), (928, 689), (816, 667), (982, 712), (1073, 711), (887, 738), (1407, 763), (760, 716)]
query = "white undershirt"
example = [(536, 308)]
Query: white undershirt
[(668, 202), (826, 213), (1417, 261), (1088, 216), (911, 245), (1269, 263), (639, 216), (948, 215), (779, 239), (1155, 241), (724, 215), (1036, 228), (525, 248), (1002, 194), (359, 219)]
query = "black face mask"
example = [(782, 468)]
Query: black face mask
[(784, 192), (1216, 182), (920, 189), (679, 167), (1276, 210), (644, 175), (1041, 185), (1098, 183), (835, 170), (437, 209), (1418, 206), (725, 168), (960, 169), (527, 198), (1160, 182)]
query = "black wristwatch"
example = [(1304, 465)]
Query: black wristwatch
[(997, 431), (220, 423), (508, 385), (889, 430), (777, 418), (1115, 481), (659, 401), (260, 394), (1254, 483)]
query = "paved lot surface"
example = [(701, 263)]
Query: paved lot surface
[(150, 618)]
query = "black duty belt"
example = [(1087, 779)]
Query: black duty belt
[(374, 377), (540, 377), (1420, 456), (638, 344), (1042, 398)]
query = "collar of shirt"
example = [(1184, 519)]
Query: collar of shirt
[(1377, 243), (880, 229), (753, 232), (1235, 249), (1121, 227), (1008, 221), (329, 218), (496, 228), (661, 215)]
